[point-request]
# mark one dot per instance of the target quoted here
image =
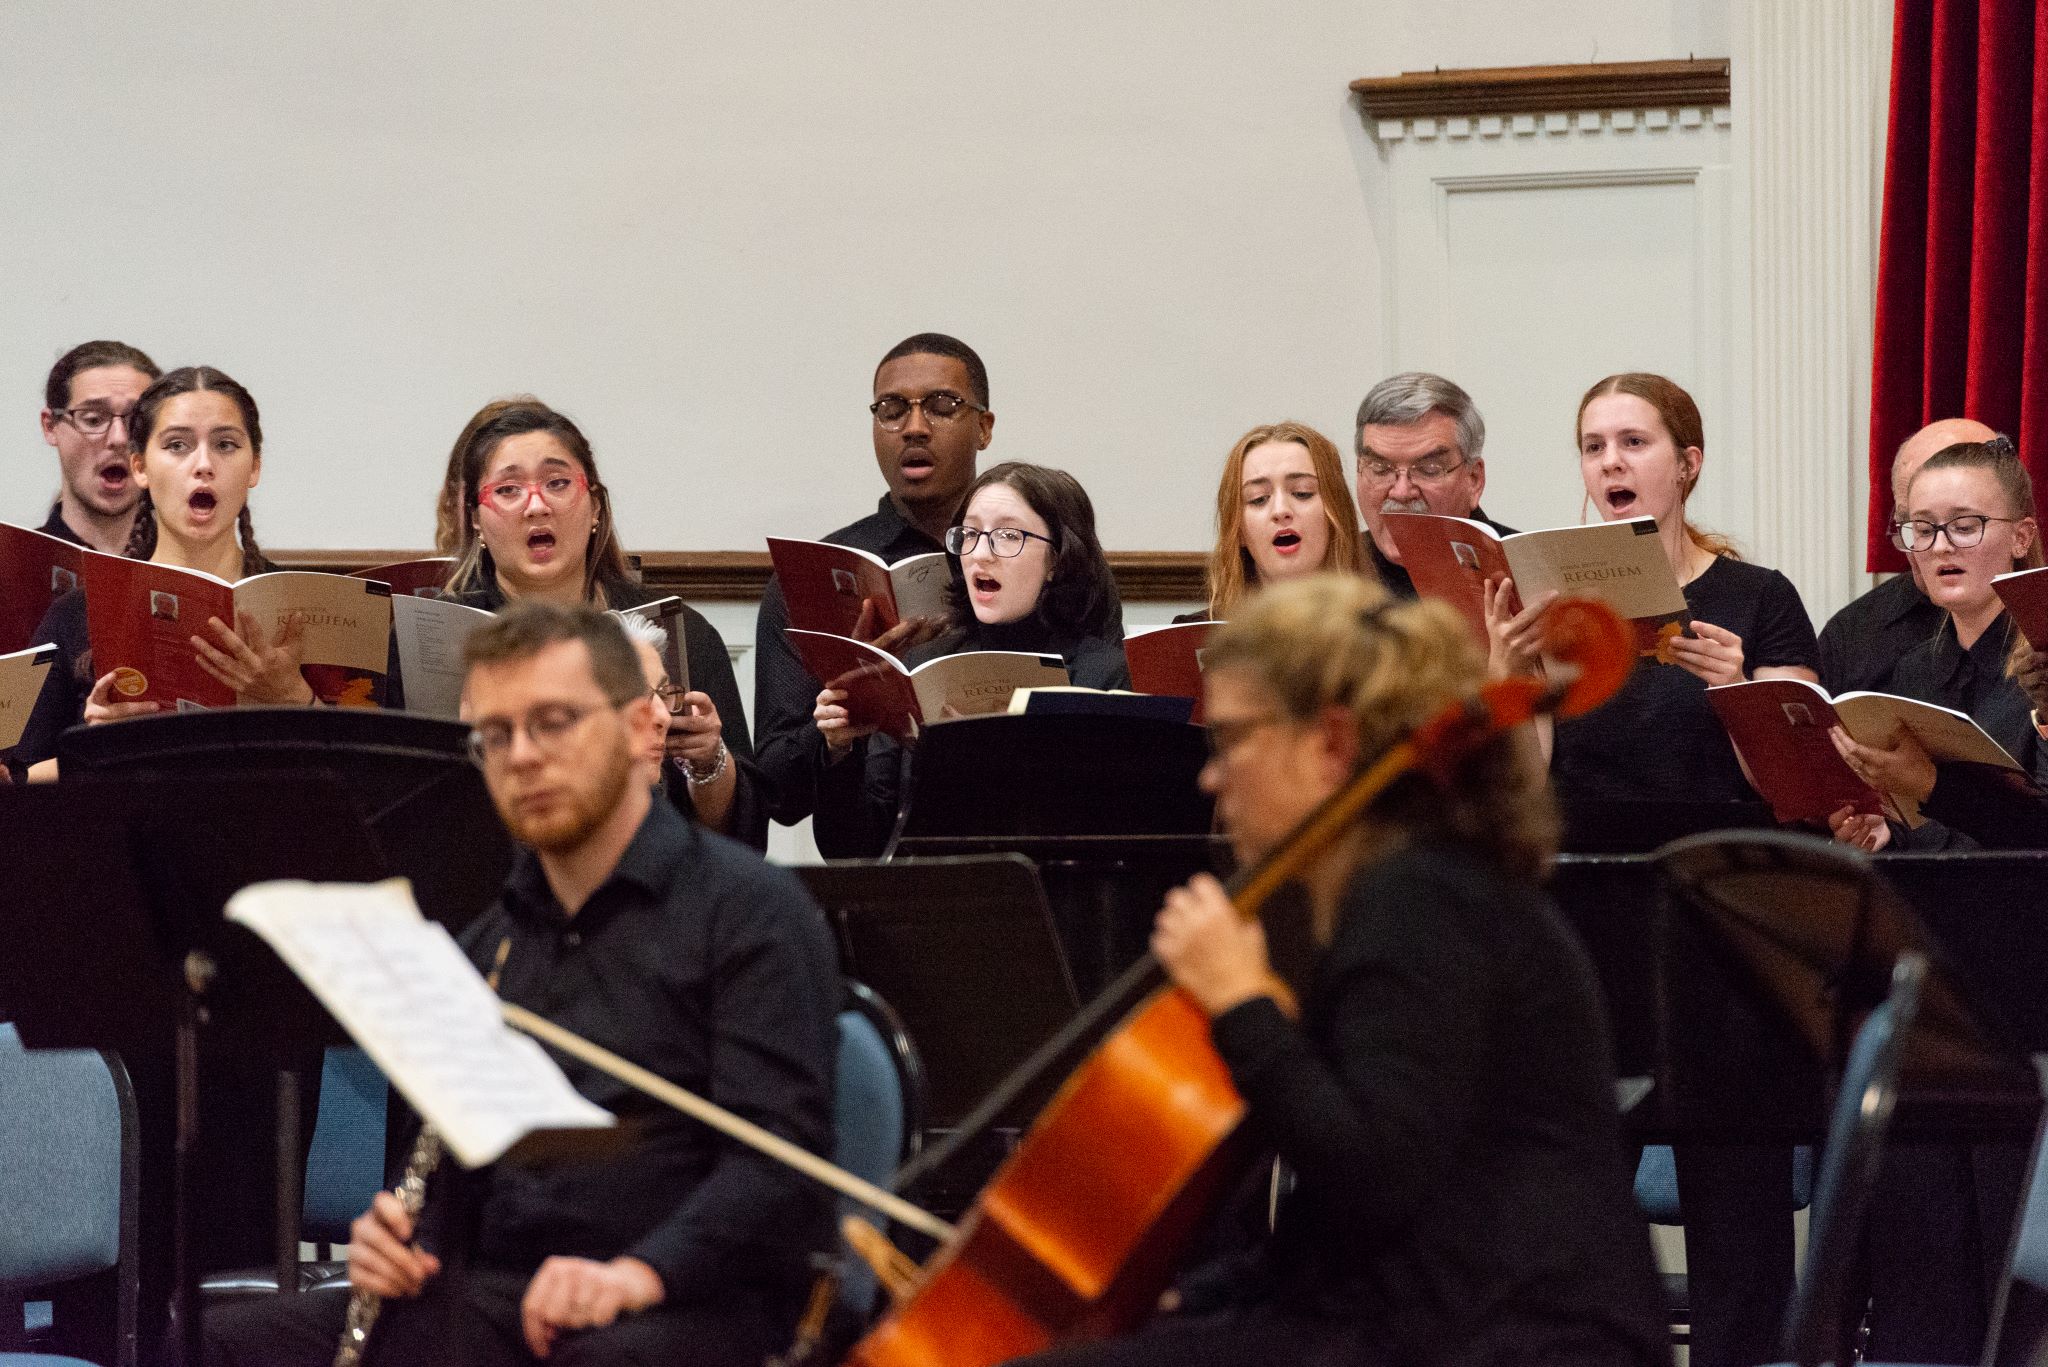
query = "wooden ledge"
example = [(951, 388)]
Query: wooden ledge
[(1544, 89), (740, 576)]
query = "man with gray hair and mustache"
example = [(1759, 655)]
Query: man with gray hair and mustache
[(1419, 443)]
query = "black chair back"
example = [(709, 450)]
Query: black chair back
[(1819, 1325)]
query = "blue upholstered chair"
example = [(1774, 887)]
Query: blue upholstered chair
[(877, 1112), (69, 1162), (344, 1169)]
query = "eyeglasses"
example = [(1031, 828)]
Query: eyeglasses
[(670, 697), (1963, 532), (1421, 470), (547, 726), (1226, 734), (510, 495), (941, 405), (1004, 542), (93, 422)]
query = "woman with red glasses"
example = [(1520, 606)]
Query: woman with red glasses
[(537, 523)]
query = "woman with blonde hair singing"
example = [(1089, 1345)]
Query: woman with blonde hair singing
[(1283, 510)]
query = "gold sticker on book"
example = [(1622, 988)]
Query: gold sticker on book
[(130, 683)]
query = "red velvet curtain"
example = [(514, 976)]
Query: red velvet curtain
[(1962, 279)]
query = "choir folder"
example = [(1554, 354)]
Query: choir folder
[(142, 617), (1780, 729), (1622, 564), (882, 692), (825, 584), (21, 680), (35, 571), (2025, 595)]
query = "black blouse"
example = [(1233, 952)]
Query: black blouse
[(1970, 807), (1658, 738), (1446, 1103)]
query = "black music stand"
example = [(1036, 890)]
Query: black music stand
[(966, 952), (408, 777), (1813, 930), (1108, 807), (212, 801), (117, 942), (1608, 827)]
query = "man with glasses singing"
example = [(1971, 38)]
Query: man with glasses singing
[(86, 400), (1862, 643), (660, 941), (930, 419), (1419, 440)]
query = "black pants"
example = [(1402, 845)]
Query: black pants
[(473, 1321)]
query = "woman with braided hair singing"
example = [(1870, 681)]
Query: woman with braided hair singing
[(195, 445), (1444, 1096)]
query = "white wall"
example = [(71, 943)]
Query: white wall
[(696, 226)]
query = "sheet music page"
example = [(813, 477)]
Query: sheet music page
[(401, 987), (430, 633)]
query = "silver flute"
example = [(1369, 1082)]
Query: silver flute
[(412, 1196)]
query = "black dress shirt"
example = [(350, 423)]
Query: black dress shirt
[(1972, 807), (711, 674), (859, 796), (1447, 1105), (788, 749), (56, 526), (1862, 644), (1395, 577), (703, 964)]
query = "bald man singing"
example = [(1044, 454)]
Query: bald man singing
[(1862, 642)]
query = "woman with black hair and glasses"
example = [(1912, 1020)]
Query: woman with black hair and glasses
[(1028, 575)]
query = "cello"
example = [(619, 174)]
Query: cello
[(1082, 1227)]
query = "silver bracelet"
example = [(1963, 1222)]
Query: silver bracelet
[(697, 780)]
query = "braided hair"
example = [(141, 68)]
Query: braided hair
[(142, 422)]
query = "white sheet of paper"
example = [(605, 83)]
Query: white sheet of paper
[(402, 988)]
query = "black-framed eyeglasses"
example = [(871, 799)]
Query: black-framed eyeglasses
[(92, 421), (1917, 534), (1004, 542), (547, 726), (941, 405), (1427, 469)]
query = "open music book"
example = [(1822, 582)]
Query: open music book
[(1780, 728), (403, 990), (882, 692), (142, 617), (21, 680), (35, 571), (1620, 563), (824, 584), (430, 633)]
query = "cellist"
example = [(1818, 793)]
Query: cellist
[(1443, 1096)]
